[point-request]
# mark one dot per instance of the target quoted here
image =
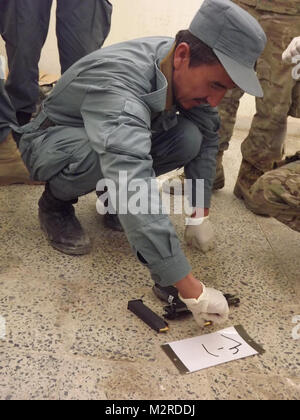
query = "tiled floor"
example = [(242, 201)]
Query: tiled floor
[(69, 334)]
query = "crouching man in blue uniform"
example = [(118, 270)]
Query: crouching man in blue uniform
[(146, 107)]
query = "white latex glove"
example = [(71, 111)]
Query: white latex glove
[(199, 233), (211, 305), (292, 50)]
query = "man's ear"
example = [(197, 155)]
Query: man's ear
[(181, 55)]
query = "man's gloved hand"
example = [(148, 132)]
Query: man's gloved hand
[(292, 50), (211, 305), (199, 233)]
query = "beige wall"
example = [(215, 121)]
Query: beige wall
[(150, 17), (137, 18), (133, 19)]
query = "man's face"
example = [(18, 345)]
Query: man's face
[(204, 84)]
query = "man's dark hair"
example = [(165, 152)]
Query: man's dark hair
[(200, 52)]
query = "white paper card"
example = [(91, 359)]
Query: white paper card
[(211, 349)]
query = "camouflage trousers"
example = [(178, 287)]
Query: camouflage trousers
[(277, 193), (264, 144)]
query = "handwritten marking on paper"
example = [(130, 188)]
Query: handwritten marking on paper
[(211, 349)]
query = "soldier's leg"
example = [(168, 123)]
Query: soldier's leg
[(277, 193), (227, 111), (265, 143), (24, 29), (81, 28)]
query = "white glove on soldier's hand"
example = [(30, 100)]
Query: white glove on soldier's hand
[(211, 305), (199, 233), (292, 50)]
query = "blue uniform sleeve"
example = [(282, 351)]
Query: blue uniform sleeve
[(118, 126)]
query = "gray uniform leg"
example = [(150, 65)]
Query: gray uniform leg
[(176, 147), (7, 113), (64, 157), (81, 28), (24, 27)]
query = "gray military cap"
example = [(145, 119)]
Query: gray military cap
[(236, 38)]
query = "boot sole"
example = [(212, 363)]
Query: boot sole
[(70, 251), (84, 250)]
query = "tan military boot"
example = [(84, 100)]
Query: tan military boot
[(219, 181), (247, 176), (12, 168)]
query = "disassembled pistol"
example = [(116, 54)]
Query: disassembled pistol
[(174, 310), (177, 308)]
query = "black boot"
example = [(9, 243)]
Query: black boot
[(63, 230), (23, 117), (112, 221)]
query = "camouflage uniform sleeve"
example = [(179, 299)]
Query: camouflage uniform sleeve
[(284, 7)]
